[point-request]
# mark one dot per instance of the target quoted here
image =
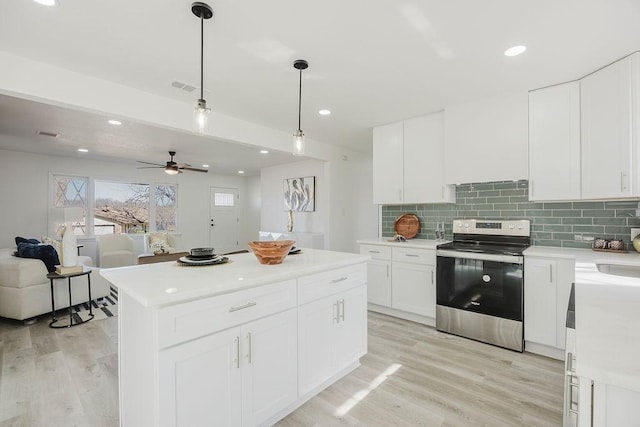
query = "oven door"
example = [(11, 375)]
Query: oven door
[(481, 283)]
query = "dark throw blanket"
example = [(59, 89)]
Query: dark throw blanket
[(46, 253)]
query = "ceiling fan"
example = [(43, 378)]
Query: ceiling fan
[(172, 167)]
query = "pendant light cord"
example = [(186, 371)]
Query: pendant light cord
[(201, 56), (300, 101)]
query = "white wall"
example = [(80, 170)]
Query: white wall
[(254, 202), (273, 216), (24, 191)]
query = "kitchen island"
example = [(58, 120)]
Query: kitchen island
[(238, 343)]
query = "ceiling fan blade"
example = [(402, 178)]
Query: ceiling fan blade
[(150, 167), (184, 165), (195, 169), (149, 163)]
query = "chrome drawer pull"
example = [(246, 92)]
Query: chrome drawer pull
[(342, 279), (374, 252), (242, 307), (412, 255)]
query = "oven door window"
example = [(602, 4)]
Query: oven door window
[(487, 287)]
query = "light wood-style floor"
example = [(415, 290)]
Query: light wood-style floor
[(412, 376)]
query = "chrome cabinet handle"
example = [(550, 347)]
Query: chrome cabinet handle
[(412, 255), (387, 270), (335, 310), (237, 359), (530, 189), (432, 277), (550, 273), (242, 307), (342, 279), (622, 176), (400, 195), (341, 316), (249, 352)]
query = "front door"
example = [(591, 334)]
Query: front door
[(223, 224)]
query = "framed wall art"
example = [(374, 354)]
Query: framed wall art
[(300, 194)]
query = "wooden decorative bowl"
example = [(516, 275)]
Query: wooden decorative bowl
[(271, 252)]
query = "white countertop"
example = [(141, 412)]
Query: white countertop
[(411, 243), (584, 255), (169, 283)]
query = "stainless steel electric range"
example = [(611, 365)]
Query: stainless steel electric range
[(480, 281)]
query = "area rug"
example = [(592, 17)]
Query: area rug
[(102, 308)]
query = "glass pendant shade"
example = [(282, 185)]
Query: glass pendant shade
[(298, 143), (200, 116)]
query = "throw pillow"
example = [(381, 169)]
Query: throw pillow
[(46, 253), (23, 240), (57, 245)]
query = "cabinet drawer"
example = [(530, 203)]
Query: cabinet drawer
[(320, 285), (415, 256), (376, 251), (191, 320)]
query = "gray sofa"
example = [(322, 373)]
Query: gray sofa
[(25, 291)]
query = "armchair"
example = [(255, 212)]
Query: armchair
[(115, 250)]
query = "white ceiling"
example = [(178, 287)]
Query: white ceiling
[(371, 61)]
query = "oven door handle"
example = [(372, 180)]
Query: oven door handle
[(511, 259)]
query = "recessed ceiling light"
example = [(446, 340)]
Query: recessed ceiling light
[(515, 50), (83, 150), (46, 2), (264, 151), (324, 112), (205, 166), (115, 122), (240, 172)]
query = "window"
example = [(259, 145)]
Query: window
[(121, 207), (223, 199), (166, 207), (69, 191)]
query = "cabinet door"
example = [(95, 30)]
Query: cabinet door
[(388, 164), (413, 288), (540, 301), (351, 330), (379, 282), (424, 160), (316, 322), (269, 367), (554, 143), (606, 136), (200, 382)]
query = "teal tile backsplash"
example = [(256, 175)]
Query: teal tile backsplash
[(552, 223)]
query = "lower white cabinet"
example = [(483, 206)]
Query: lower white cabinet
[(401, 281), (332, 333), (240, 376), (414, 288), (547, 285)]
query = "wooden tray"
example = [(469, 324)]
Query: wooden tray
[(407, 225), (618, 251)]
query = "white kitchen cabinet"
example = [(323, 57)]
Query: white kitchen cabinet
[(554, 142), (401, 281), (332, 332), (388, 170), (378, 274), (240, 376), (486, 140), (609, 112), (547, 285), (607, 405), (408, 162)]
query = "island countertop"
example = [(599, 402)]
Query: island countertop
[(155, 285)]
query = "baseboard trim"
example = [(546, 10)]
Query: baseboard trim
[(544, 350)]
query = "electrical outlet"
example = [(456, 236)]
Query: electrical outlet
[(634, 232), (577, 237), (588, 238)]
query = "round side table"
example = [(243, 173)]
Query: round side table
[(52, 277)]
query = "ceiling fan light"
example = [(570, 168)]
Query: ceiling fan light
[(298, 143), (200, 116), (171, 170)]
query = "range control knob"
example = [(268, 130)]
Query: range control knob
[(511, 226), (466, 225)]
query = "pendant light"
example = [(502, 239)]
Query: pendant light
[(298, 136), (201, 112)]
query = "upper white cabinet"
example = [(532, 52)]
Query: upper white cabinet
[(408, 162), (486, 140), (388, 169), (609, 102), (554, 142)]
